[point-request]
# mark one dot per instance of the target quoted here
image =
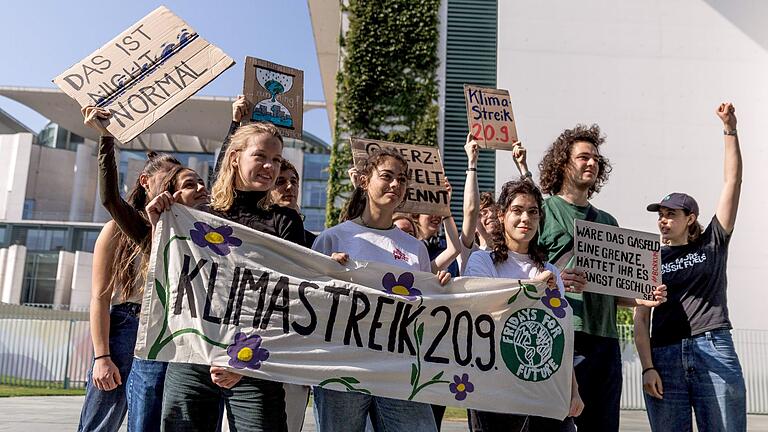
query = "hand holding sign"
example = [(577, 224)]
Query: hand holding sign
[(426, 192), (92, 117), (143, 73), (240, 109), (490, 119)]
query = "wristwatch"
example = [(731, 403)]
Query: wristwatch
[(731, 132)]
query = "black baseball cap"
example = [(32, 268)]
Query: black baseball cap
[(676, 200)]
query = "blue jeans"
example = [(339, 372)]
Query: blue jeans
[(145, 395), (337, 411), (703, 373), (105, 410)]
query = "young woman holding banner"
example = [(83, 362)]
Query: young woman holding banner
[(517, 254), (369, 234), (688, 357), (193, 393), (120, 382)]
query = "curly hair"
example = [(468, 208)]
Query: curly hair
[(553, 166), (359, 199), (487, 200), (509, 191)]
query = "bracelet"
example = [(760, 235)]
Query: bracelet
[(472, 169), (102, 356), (528, 175), (729, 133), (646, 370)]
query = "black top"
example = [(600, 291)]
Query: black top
[(275, 220), (695, 275), (130, 220)]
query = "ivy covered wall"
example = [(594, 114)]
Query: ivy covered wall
[(386, 85)]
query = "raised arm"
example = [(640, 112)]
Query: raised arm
[(732, 167), (127, 218), (240, 108), (452, 249), (471, 194)]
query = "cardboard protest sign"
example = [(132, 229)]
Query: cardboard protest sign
[(489, 114), (618, 261), (143, 73), (426, 192), (219, 293), (276, 93)]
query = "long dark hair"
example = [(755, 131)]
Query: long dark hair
[(553, 165), (123, 268), (359, 199), (509, 191)]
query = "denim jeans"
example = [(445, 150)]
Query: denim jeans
[(599, 377), (700, 373), (337, 411), (145, 395), (192, 402), (105, 410)]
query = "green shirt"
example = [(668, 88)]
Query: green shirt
[(593, 313)]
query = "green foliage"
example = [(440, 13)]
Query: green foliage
[(624, 316), (386, 86)]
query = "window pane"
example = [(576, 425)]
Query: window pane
[(39, 277), (85, 240), (316, 166), (314, 219), (313, 194), (46, 239)]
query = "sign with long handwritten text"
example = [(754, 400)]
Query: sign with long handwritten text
[(617, 261), (426, 192), (219, 293), (276, 94), (490, 118), (144, 72)]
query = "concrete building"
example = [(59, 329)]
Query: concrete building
[(50, 214), (649, 73)]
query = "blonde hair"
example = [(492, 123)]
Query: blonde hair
[(223, 191)]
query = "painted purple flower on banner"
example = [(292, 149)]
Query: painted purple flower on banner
[(461, 386), (402, 286), (246, 352), (218, 239), (555, 302)]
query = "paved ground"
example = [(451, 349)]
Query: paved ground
[(61, 413)]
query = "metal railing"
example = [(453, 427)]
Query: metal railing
[(52, 348), (44, 347), (751, 346)]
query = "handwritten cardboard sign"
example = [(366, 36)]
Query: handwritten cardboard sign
[(276, 93), (144, 72), (618, 261), (490, 118), (426, 192)]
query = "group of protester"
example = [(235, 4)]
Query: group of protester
[(687, 354)]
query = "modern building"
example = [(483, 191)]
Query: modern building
[(50, 214), (649, 73)]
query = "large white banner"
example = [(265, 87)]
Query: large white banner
[(222, 294)]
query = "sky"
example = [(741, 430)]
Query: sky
[(42, 38)]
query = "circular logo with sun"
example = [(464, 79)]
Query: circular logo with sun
[(532, 344)]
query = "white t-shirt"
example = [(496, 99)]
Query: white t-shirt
[(517, 266), (389, 246), (463, 257)]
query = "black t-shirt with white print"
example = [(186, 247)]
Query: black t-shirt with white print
[(695, 276)]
